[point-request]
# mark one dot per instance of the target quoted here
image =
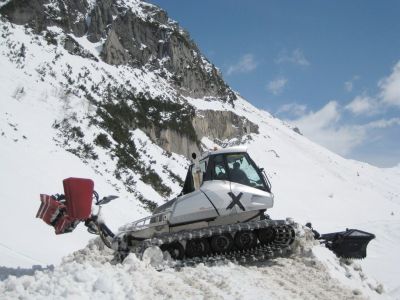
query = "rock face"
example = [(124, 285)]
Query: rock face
[(222, 125), (39, 14), (113, 51), (132, 32), (173, 141), (217, 125)]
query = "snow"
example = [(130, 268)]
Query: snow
[(310, 183), (94, 48), (88, 273), (91, 4), (208, 67), (4, 2), (139, 8)]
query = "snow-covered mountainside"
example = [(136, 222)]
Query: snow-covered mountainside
[(117, 92)]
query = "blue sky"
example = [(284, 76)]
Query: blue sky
[(330, 67)]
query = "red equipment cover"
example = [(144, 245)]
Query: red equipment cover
[(64, 225), (53, 212), (49, 209), (78, 194)]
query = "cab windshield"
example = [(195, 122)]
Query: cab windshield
[(243, 171)]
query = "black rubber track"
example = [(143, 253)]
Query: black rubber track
[(279, 246)]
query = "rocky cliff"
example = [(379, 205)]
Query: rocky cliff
[(219, 126), (131, 32)]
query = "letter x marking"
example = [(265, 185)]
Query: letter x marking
[(235, 201)]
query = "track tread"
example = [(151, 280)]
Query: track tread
[(279, 247)]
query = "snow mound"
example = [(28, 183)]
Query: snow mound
[(89, 273)]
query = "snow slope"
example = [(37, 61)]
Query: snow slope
[(310, 183)]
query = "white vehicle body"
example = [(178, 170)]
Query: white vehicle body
[(232, 190)]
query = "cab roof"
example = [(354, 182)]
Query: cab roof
[(236, 149)]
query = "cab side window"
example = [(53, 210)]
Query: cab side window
[(219, 168), (202, 170)]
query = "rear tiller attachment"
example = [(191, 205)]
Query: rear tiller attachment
[(351, 243)]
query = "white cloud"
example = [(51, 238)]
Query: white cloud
[(388, 95), (383, 123), (349, 85), (277, 85), (246, 64), (363, 105), (323, 118), (292, 109), (323, 127), (390, 87), (296, 57)]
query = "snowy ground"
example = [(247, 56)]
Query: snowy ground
[(311, 273)]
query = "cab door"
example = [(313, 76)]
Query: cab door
[(217, 186), (246, 198), (218, 192)]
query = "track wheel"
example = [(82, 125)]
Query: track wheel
[(197, 247), (266, 235), (245, 240), (175, 249), (221, 243)]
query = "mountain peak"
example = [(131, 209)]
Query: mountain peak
[(131, 32)]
